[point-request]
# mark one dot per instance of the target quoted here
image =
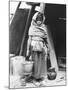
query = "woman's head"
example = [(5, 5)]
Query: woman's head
[(39, 18)]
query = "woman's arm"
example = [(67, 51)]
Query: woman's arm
[(28, 45)]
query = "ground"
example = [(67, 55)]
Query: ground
[(15, 82)]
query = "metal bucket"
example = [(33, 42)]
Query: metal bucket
[(21, 66), (28, 67)]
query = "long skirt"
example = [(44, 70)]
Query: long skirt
[(40, 64)]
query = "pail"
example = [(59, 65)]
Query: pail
[(21, 66)]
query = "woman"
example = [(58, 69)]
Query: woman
[(39, 47)]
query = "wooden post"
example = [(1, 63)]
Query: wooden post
[(42, 7), (53, 59)]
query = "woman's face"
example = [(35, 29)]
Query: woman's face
[(39, 19), (39, 22)]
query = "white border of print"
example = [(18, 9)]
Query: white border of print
[(4, 43)]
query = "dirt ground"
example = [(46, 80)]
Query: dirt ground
[(16, 82)]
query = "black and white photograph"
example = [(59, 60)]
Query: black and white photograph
[(37, 44)]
